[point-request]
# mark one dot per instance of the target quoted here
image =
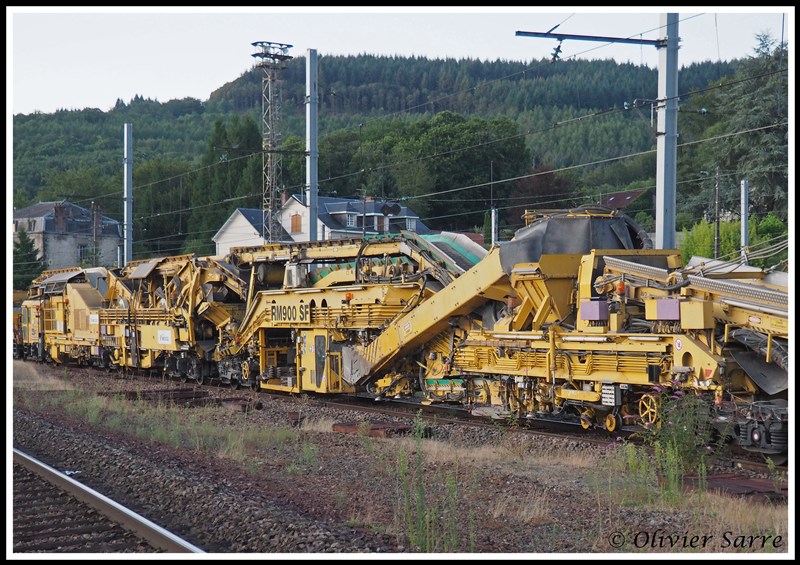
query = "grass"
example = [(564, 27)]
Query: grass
[(627, 477), (427, 503), (318, 425), (164, 423), (436, 496), (532, 509)]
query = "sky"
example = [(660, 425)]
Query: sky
[(75, 58)]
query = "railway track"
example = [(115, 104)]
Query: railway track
[(54, 513), (734, 474), (448, 415), (233, 398)]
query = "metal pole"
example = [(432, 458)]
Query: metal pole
[(363, 183), (94, 235), (364, 212), (745, 218), (491, 200), (311, 144), (128, 191), (716, 214), (667, 132), (494, 226)]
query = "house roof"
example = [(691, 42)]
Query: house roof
[(255, 217), (332, 213), (620, 200), (76, 219)]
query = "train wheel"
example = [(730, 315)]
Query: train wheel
[(587, 416), (613, 422), (648, 410), (201, 380)]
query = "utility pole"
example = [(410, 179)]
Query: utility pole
[(94, 234), (667, 125), (745, 218), (716, 214), (312, 158), (363, 182), (491, 201), (364, 212), (127, 138), (667, 134)]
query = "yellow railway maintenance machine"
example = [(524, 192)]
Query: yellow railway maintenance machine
[(577, 317)]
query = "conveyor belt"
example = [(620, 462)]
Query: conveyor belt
[(737, 289), (647, 271)]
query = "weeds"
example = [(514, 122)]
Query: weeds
[(685, 430), (702, 475), (309, 455), (429, 519), (775, 476), (635, 464)]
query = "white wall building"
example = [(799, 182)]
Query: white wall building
[(338, 218)]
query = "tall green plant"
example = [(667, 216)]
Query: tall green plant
[(27, 263), (684, 434), (430, 523)]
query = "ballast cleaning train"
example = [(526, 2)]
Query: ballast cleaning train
[(576, 318)]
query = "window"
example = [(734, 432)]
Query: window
[(84, 252), (297, 223), (411, 224), (351, 220)]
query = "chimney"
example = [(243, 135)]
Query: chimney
[(60, 218)]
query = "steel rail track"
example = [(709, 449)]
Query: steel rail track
[(153, 534), (442, 414)]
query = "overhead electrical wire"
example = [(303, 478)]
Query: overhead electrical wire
[(450, 151)]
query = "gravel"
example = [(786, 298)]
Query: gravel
[(309, 490)]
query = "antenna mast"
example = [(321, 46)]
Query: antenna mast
[(271, 57)]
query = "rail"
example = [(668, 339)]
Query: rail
[(153, 533)]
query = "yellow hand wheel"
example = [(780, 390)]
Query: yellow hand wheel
[(648, 410)]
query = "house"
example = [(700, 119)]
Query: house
[(242, 229), (68, 235), (337, 218), (341, 218)]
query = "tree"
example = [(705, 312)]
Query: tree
[(458, 167), (27, 263), (540, 189), (487, 227), (765, 237), (162, 200), (231, 163), (755, 115)]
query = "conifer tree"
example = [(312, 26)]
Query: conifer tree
[(27, 263)]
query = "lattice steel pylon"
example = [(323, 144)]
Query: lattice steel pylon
[(271, 58)]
